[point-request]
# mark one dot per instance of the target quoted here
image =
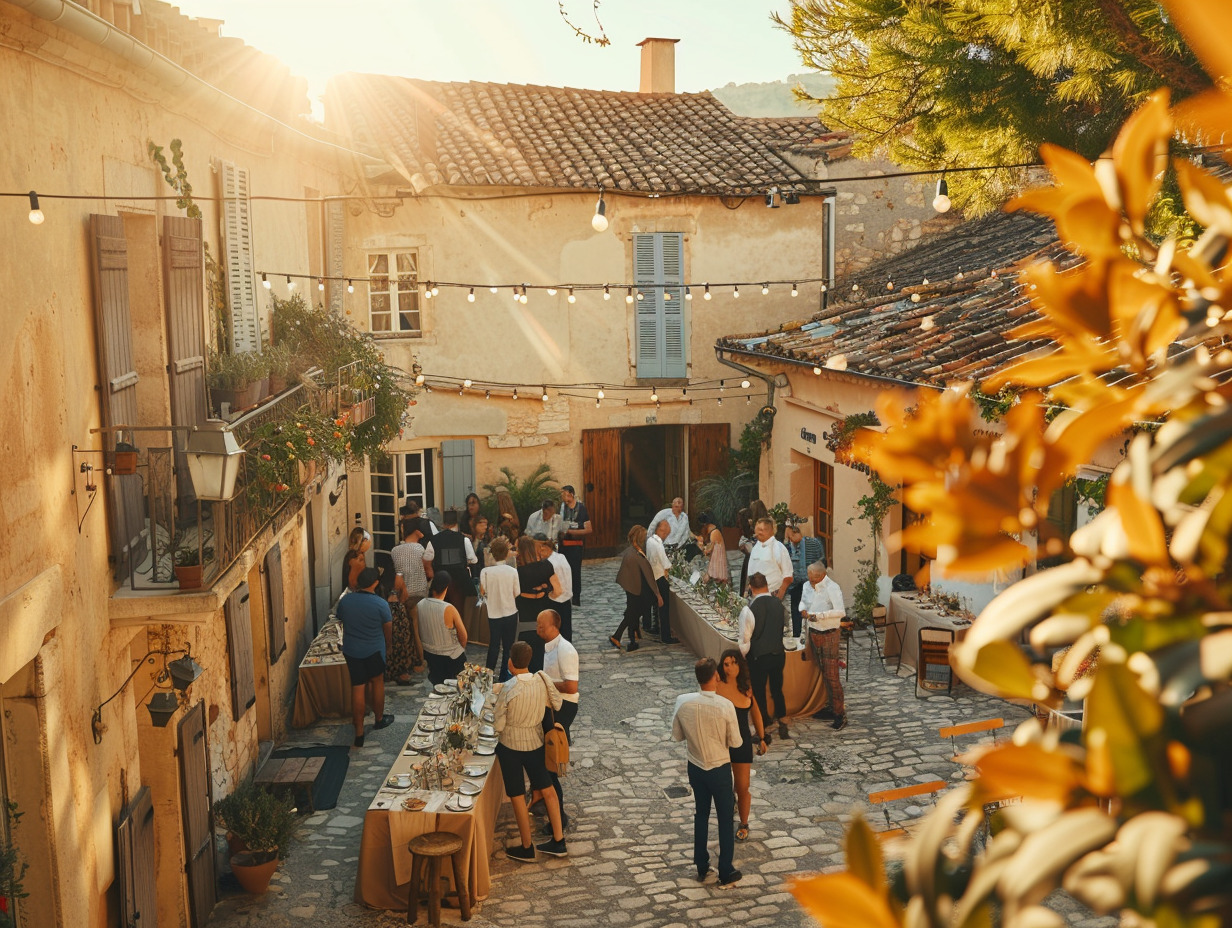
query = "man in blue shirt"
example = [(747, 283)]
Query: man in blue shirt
[(367, 631), (803, 552)]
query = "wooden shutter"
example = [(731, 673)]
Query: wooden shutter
[(274, 605), (239, 647), (649, 318), (126, 504), (458, 467), (195, 799), (334, 244), (135, 848), (708, 450), (658, 270), (241, 281), (183, 278), (601, 478), (671, 255)]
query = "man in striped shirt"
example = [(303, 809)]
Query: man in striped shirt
[(707, 723)]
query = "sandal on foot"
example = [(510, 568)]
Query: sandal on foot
[(742, 833)]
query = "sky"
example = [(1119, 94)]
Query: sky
[(510, 41)]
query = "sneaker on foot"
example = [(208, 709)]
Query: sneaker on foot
[(783, 732), (521, 854), (727, 882), (385, 721), (824, 714), (554, 848), (840, 723)]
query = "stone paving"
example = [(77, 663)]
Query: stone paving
[(630, 842)]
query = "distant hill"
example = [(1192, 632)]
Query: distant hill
[(773, 98)]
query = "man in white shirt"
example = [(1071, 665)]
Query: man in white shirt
[(563, 604), (545, 522), (707, 723), (560, 663), (660, 564), (821, 606), (770, 558), (679, 534)]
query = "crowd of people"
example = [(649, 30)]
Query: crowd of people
[(530, 579)]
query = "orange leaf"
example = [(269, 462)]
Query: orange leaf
[(1026, 770), (1205, 197), (1140, 155), (1209, 112), (1206, 26), (1141, 522), (840, 900)]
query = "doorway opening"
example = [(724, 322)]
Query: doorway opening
[(652, 468)]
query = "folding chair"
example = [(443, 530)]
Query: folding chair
[(882, 623), (933, 661), (883, 797), (970, 728)]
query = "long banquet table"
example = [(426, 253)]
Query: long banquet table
[(804, 691), (384, 873), (904, 619), (323, 688)]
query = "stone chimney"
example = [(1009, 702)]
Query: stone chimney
[(658, 65)]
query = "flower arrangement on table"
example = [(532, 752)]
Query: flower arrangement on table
[(456, 736), (723, 600), (471, 674)]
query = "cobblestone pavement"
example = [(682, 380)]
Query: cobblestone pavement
[(630, 842)]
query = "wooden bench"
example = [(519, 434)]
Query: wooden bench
[(969, 728), (903, 792), (295, 775)]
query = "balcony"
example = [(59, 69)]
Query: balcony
[(160, 523)]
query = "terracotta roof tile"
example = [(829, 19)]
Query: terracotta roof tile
[(479, 134)]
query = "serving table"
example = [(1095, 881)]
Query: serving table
[(323, 688), (908, 613), (696, 624), (384, 870)]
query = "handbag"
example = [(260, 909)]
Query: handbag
[(555, 741)]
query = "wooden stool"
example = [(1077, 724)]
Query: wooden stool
[(426, 853)]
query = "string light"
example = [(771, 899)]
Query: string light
[(816, 370), (735, 291), (706, 295), (607, 292), (915, 298), (522, 298), (598, 221), (599, 395), (890, 285), (744, 385), (572, 298), (36, 215), (640, 296), (795, 290), (941, 202), (487, 394), (765, 288), (470, 295), (290, 283), (551, 291), (466, 383), (419, 380), (515, 393), (265, 281), (427, 291), (654, 396), (545, 395), (629, 295), (688, 294), (350, 287), (667, 294), (493, 289), (320, 283), (435, 289)]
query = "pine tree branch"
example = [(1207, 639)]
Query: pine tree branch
[(1183, 78)]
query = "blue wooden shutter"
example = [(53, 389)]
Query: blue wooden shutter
[(458, 468), (658, 271)]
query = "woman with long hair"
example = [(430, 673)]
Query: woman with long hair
[(537, 578), (736, 687), (636, 578), (711, 542), (480, 535), (358, 543), (468, 515)]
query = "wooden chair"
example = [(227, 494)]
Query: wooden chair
[(426, 853), (882, 624), (934, 652), (970, 728), (883, 797)]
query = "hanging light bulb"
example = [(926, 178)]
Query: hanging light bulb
[(350, 286), (36, 215), (721, 385), (941, 202), (596, 402), (748, 399), (926, 281), (461, 391), (667, 294), (493, 289), (640, 296), (823, 288), (487, 394), (572, 298), (744, 385), (735, 291), (290, 283), (720, 401), (654, 396), (688, 293), (419, 379), (545, 394), (607, 292), (794, 290), (320, 283), (915, 298), (890, 285), (706, 294), (522, 298), (265, 281), (435, 290), (551, 291), (629, 295), (600, 394), (765, 288), (428, 291), (470, 295), (466, 382), (515, 393), (816, 370), (598, 221)]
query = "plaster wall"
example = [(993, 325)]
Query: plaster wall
[(79, 119)]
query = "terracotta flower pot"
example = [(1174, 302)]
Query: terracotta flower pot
[(189, 577), (254, 877)]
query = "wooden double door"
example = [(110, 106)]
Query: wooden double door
[(688, 452)]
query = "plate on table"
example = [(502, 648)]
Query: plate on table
[(459, 803), (414, 804), (399, 781), (435, 708), (432, 723), (489, 715), (467, 788), (475, 770), (485, 749), (487, 731), (445, 689)]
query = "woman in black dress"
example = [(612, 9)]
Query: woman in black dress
[(538, 579), (735, 686)]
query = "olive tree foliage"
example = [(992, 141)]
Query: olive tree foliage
[(967, 83)]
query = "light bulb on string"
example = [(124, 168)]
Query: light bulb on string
[(435, 290), (419, 380), (427, 291), (470, 295), (487, 394), (654, 396), (706, 294), (515, 393), (667, 294), (794, 290), (600, 394), (748, 399), (290, 283), (320, 283), (941, 202), (721, 385), (466, 382), (688, 293), (515, 294), (350, 286), (925, 281), (35, 216), (890, 285), (816, 370), (744, 385), (915, 298), (493, 289), (551, 291), (572, 298), (629, 295), (607, 292), (640, 296), (545, 395), (522, 298), (736, 292), (765, 288), (598, 221), (265, 281), (461, 391), (720, 401)]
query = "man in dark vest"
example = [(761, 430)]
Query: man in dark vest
[(763, 624), (450, 550)]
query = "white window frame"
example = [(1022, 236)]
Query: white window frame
[(404, 315), (383, 466)]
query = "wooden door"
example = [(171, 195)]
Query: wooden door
[(196, 800), (183, 270), (708, 450), (135, 850), (601, 481), (275, 608)]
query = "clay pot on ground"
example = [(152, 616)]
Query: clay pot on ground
[(189, 577), (253, 873)]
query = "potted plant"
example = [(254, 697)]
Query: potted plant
[(284, 367), (189, 565), (124, 460), (723, 495), (234, 379), (264, 823)]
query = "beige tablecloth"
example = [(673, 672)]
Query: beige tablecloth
[(803, 688), (384, 872), (475, 620), (323, 687), (904, 619)]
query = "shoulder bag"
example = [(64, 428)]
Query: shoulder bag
[(555, 741)]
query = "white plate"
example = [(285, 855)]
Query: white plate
[(399, 781), (486, 731), (445, 689), (485, 749), (432, 723), (460, 803), (435, 708), (475, 770), (470, 789)]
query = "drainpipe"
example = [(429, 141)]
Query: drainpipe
[(771, 381), (828, 210)]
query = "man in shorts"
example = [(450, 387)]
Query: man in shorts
[(367, 633)]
